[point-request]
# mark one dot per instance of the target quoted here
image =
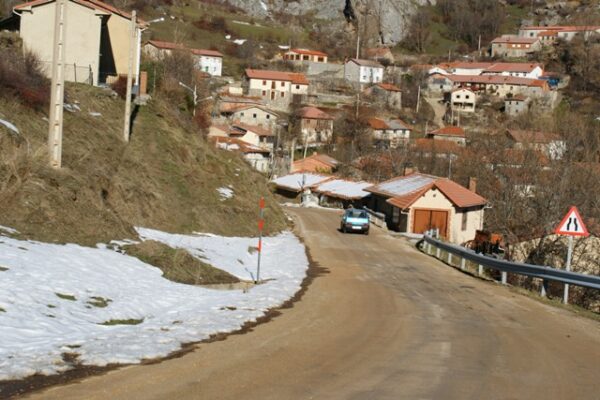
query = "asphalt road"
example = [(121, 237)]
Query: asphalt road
[(386, 322)]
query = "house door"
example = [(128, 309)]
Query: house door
[(424, 220)]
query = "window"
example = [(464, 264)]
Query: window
[(264, 93), (458, 96), (467, 97), (254, 115), (282, 94), (241, 114), (264, 83), (465, 216), (268, 116), (282, 84), (297, 86)]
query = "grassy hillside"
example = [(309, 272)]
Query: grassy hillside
[(165, 178)]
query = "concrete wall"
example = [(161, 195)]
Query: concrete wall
[(120, 35), (254, 116), (82, 45), (316, 131)]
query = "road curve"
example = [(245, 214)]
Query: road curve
[(386, 322)]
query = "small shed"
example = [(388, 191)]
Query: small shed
[(342, 193), (418, 202), (292, 185)]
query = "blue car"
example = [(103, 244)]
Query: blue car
[(355, 220)]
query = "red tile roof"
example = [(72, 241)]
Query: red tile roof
[(242, 146), (295, 78), (449, 131), (459, 195), (313, 113), (308, 52), (429, 145), (166, 45), (94, 4), (316, 163)]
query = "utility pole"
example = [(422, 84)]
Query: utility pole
[(418, 98), (132, 43), (57, 90), (358, 46)]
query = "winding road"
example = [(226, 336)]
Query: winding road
[(384, 322)]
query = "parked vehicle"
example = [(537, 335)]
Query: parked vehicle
[(355, 220)]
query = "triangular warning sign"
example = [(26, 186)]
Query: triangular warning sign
[(572, 224)]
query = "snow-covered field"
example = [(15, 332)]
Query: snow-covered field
[(55, 299)]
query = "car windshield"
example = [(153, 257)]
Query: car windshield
[(356, 214)]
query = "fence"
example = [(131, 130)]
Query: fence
[(536, 271), (73, 72)]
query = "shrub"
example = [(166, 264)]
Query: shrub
[(120, 86), (21, 75)]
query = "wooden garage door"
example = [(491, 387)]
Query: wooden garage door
[(425, 220)]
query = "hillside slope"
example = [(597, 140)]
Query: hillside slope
[(165, 178)]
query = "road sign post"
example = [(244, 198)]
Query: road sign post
[(261, 225), (571, 225)]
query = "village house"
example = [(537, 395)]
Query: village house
[(258, 157), (550, 144), (566, 33), (320, 163), (228, 103), (516, 105), (305, 55), (208, 61), (454, 134), (362, 72), (417, 203), (276, 88), (389, 133), (463, 99), (498, 85), (524, 70), (441, 148), (390, 94), (513, 46), (254, 135), (254, 115), (97, 39), (342, 193), (316, 126), (217, 130)]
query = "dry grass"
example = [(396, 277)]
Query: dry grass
[(165, 178), (178, 265)]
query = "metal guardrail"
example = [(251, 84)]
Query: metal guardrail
[(536, 271)]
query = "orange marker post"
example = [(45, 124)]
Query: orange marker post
[(261, 225)]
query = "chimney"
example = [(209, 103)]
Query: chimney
[(409, 169), (473, 184)]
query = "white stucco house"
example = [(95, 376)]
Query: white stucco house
[(463, 99), (363, 71), (209, 61)]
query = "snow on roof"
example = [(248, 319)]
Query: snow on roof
[(343, 189), (403, 185), (297, 181)]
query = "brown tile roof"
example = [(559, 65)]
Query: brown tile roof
[(518, 97), (429, 145), (241, 129), (94, 4), (308, 52), (513, 67), (389, 87), (377, 124), (466, 65), (208, 53), (449, 131), (497, 80), (166, 45), (295, 78), (522, 136), (316, 163), (313, 113), (515, 39), (408, 189)]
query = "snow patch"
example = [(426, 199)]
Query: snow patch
[(8, 230), (225, 192), (9, 126), (58, 298)]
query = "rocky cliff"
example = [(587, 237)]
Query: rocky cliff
[(387, 18)]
